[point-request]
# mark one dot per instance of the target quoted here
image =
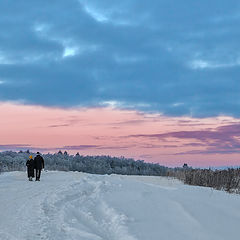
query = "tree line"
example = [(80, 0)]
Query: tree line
[(228, 179), (13, 161)]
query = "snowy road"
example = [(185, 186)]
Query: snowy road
[(78, 206)]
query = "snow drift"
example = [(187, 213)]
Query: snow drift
[(72, 205)]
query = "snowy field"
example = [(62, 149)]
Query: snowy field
[(69, 206)]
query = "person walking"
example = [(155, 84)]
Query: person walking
[(30, 168), (38, 165)]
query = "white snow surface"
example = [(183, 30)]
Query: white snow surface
[(72, 205)]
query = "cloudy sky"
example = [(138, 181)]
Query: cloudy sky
[(156, 80)]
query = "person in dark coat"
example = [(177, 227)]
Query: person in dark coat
[(30, 168), (38, 165)]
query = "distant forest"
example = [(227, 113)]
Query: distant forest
[(228, 180), (13, 161)]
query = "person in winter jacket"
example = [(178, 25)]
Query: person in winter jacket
[(30, 168), (38, 165)]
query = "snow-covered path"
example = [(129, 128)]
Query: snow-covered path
[(69, 206)]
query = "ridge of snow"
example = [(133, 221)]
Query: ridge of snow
[(72, 205)]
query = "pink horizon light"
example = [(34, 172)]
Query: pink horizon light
[(166, 140)]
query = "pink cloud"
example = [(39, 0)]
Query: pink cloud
[(104, 131), (219, 140)]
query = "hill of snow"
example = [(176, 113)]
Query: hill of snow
[(72, 205)]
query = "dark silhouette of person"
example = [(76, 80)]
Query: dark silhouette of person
[(38, 165), (30, 168)]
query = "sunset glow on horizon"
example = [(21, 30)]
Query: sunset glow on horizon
[(169, 141)]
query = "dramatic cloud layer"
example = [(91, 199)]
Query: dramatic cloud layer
[(162, 56)]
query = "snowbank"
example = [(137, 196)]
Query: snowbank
[(72, 205)]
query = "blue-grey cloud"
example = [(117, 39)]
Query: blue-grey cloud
[(58, 125), (221, 140), (164, 56), (14, 146)]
